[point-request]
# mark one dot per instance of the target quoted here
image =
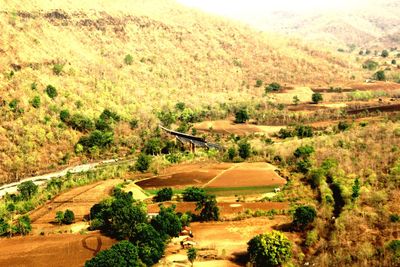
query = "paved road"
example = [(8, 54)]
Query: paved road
[(41, 179)]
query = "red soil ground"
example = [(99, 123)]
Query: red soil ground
[(52, 250), (247, 178), (185, 175), (79, 200)]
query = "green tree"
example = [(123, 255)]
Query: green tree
[(128, 59), (35, 102), (273, 87), (193, 194), (81, 123), (97, 139), (150, 243), (385, 53), (316, 98), (69, 217), (51, 91), (304, 151), (143, 162), (167, 222), (121, 254), (241, 116), (231, 153), (380, 75), (164, 194), (59, 217), (244, 149), (4, 227), (304, 216), (23, 225), (153, 146), (27, 189), (65, 116), (355, 190), (192, 255), (270, 249), (209, 210)]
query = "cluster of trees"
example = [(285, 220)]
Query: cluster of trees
[(301, 131), (124, 218), (67, 217), (239, 152), (26, 191)]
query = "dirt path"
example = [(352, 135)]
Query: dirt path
[(52, 250), (220, 174)]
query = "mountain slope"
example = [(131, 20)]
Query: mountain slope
[(177, 54)]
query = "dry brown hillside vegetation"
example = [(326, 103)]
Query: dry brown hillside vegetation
[(134, 58)]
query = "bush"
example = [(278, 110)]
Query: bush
[(380, 75), (121, 254), (244, 149), (65, 116), (273, 87), (164, 194), (385, 53), (241, 116), (193, 194), (232, 153), (153, 146), (23, 225), (316, 98), (394, 218), (343, 126), (13, 105), (143, 162), (58, 69), (370, 65), (69, 217), (394, 62), (51, 91), (192, 255), (133, 123), (304, 151), (270, 249), (304, 216), (27, 189), (311, 238), (259, 83), (303, 131), (128, 59), (81, 123), (97, 139), (35, 102), (4, 227)]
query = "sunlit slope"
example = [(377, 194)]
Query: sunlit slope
[(178, 54)]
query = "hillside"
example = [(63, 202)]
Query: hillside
[(176, 54), (368, 24)]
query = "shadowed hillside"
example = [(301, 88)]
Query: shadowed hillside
[(133, 57)]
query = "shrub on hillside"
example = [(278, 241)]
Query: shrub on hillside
[(164, 194), (128, 59), (241, 116), (35, 102), (51, 91), (303, 217), (97, 139), (143, 162), (259, 83), (380, 75), (153, 146), (27, 190), (58, 69), (270, 249), (316, 98), (304, 151), (343, 126), (69, 217), (384, 53), (23, 225), (273, 87), (244, 149), (65, 116), (370, 65), (81, 123)]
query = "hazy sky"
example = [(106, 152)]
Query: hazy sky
[(236, 8)]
